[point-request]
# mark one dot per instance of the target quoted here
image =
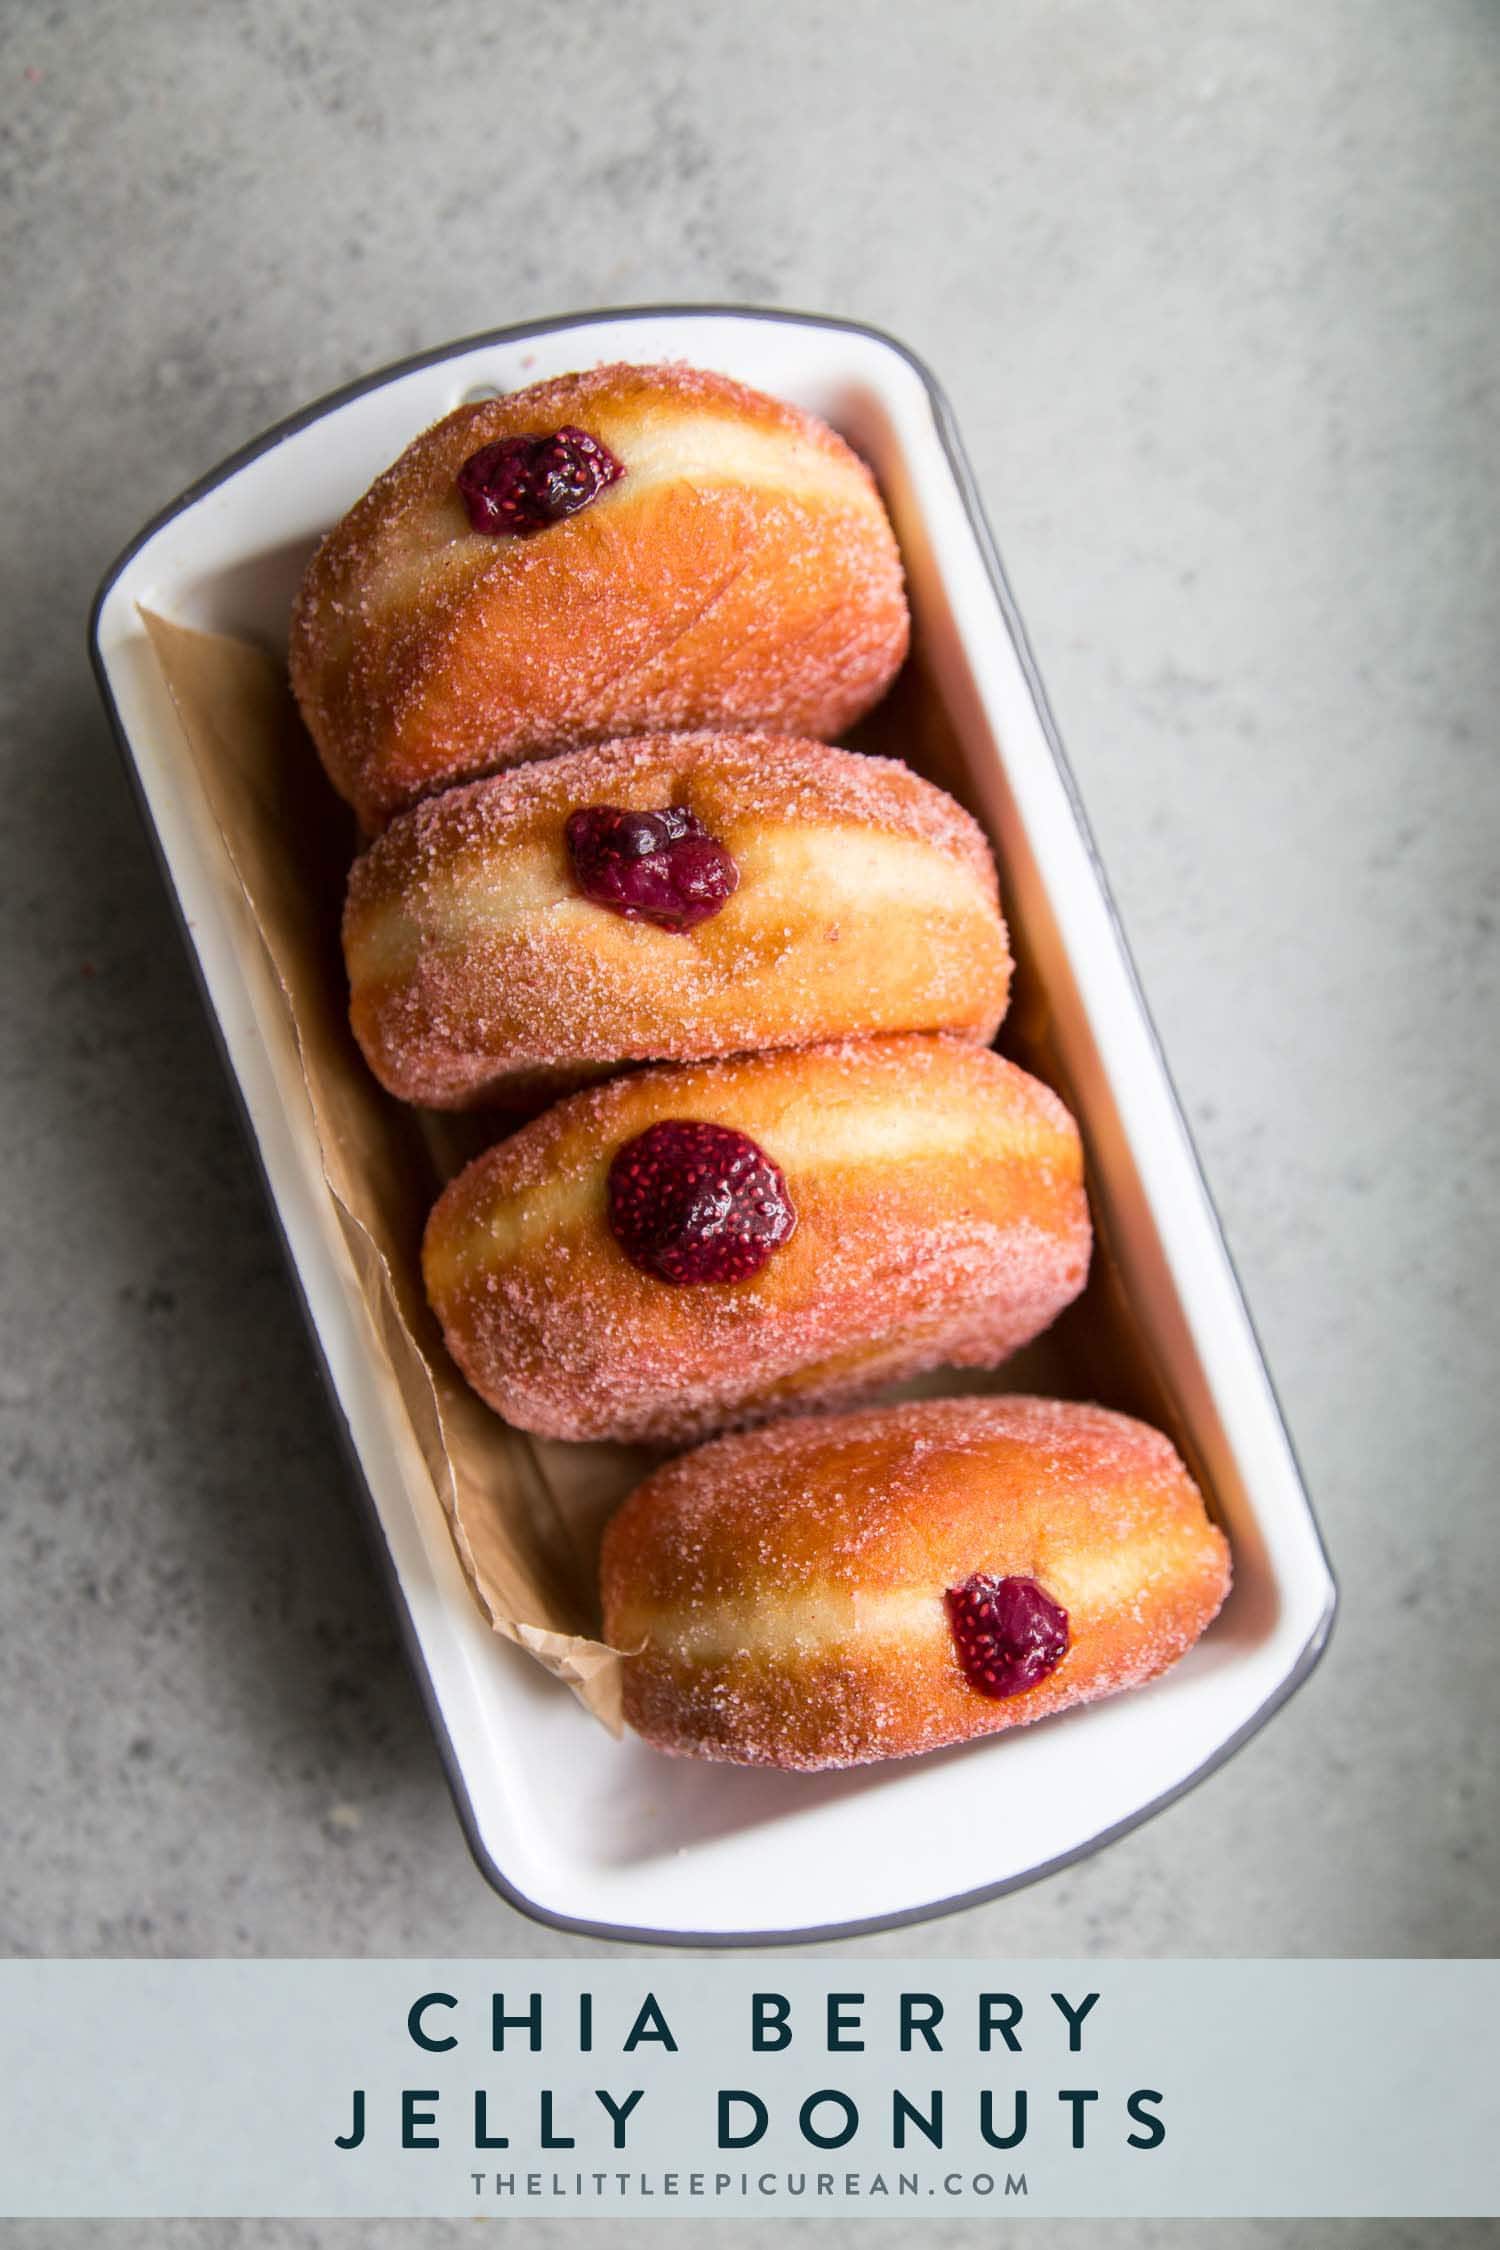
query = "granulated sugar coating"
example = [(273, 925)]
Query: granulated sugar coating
[(740, 572), (787, 1589), (865, 901), (941, 1220)]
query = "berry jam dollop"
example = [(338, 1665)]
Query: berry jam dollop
[(522, 484), (1009, 1633), (661, 867), (692, 1202)]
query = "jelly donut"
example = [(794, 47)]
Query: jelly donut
[(669, 898), (716, 1242), (860, 1586), (632, 550)]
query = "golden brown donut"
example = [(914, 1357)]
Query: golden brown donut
[(862, 899), (710, 1242), (860, 1586), (739, 573)]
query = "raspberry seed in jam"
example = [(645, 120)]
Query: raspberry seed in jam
[(1009, 1633), (693, 1202), (522, 484), (661, 867)]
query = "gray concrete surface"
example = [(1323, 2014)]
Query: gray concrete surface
[(1214, 292)]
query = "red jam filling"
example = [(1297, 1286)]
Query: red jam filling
[(520, 485), (692, 1202), (1009, 1633), (661, 867)]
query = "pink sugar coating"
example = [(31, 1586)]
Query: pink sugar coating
[(1062, 1437), (818, 685), (900, 1060), (780, 778), (719, 1534), (958, 1297), (559, 999), (616, 383), (817, 645), (567, 1354)]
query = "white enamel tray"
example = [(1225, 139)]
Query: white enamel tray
[(612, 1838)]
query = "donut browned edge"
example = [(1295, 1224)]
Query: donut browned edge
[(779, 1596), (742, 574), (940, 1220), (866, 902)]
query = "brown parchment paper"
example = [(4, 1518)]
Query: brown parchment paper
[(525, 1513)]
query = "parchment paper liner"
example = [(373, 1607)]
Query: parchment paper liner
[(525, 1514)]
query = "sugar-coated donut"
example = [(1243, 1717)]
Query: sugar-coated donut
[(661, 549), (819, 893), (704, 1243), (843, 1588)]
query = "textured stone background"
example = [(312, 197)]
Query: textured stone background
[(1214, 293)]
